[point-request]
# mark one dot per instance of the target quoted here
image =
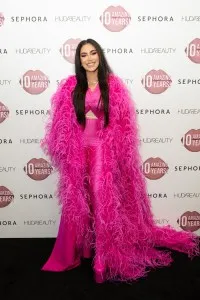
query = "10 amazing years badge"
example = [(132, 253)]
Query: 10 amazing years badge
[(34, 82), (38, 169)]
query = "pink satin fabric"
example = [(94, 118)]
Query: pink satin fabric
[(65, 255)]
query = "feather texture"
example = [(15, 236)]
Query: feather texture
[(128, 238)]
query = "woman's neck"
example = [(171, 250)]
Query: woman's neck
[(92, 78)]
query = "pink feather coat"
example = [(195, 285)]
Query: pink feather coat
[(129, 238)]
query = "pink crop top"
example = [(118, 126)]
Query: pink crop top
[(92, 100)]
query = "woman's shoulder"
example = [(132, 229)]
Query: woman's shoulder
[(64, 88), (113, 77), (69, 80), (115, 81), (66, 84)]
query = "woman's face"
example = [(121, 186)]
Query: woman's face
[(89, 58)]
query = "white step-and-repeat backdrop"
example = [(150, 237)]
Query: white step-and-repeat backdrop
[(154, 46)]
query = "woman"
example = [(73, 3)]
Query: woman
[(92, 140)]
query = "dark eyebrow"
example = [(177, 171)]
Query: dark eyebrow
[(90, 51)]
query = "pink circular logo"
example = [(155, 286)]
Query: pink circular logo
[(6, 196), (38, 169), (68, 49), (154, 168), (156, 82), (1, 19), (193, 51), (191, 140), (115, 18), (189, 221), (4, 112), (34, 82)]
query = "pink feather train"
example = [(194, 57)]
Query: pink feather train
[(128, 238)]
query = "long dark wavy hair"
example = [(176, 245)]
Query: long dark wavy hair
[(81, 87)]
